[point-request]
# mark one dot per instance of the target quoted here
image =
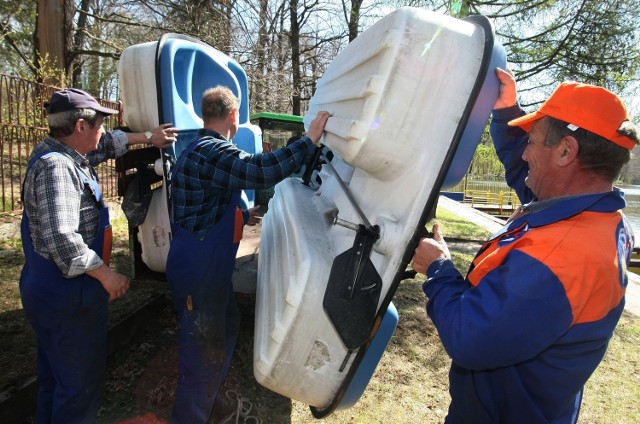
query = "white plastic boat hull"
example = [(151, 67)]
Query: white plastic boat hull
[(163, 81), (409, 99)]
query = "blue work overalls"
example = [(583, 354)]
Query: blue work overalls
[(69, 316), (199, 270)]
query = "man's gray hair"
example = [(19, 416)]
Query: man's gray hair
[(595, 153), (62, 124)]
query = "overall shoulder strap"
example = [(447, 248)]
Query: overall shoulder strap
[(89, 182), (180, 163), (190, 148)]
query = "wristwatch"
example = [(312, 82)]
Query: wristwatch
[(148, 134)]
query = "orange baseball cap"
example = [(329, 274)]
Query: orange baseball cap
[(590, 107)]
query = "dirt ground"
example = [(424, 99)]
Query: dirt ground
[(409, 386), (142, 377), (142, 374)]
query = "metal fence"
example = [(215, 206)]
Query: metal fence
[(494, 197), (23, 124)]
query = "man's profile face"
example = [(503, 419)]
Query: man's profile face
[(92, 133), (539, 157)]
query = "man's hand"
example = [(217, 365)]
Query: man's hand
[(316, 128), (430, 250), (164, 135), (254, 216), (508, 94), (115, 284)]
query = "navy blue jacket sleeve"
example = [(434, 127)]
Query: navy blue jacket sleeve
[(510, 143), (477, 325)]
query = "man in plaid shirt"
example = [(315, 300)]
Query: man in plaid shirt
[(66, 235), (208, 219)]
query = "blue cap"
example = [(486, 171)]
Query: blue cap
[(72, 98)]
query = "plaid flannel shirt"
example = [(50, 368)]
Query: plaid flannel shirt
[(201, 190), (62, 212)]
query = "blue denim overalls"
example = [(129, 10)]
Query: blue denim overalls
[(69, 316), (199, 270)]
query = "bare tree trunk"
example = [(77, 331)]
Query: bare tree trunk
[(78, 42), (54, 24), (354, 19), (294, 39), (260, 82), (229, 19), (281, 100)]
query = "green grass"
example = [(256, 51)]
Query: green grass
[(454, 226), (410, 384)]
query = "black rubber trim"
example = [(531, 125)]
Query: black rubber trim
[(430, 207)]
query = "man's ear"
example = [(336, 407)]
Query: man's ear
[(81, 125), (567, 150)]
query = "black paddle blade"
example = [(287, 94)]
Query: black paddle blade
[(351, 297)]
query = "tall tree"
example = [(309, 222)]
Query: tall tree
[(79, 39), (258, 86), (548, 41), (294, 39), (352, 17), (53, 39), (207, 20), (287, 44), (17, 44)]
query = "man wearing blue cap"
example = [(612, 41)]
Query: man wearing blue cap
[(66, 282)]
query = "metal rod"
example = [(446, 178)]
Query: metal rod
[(344, 187), (345, 224)]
